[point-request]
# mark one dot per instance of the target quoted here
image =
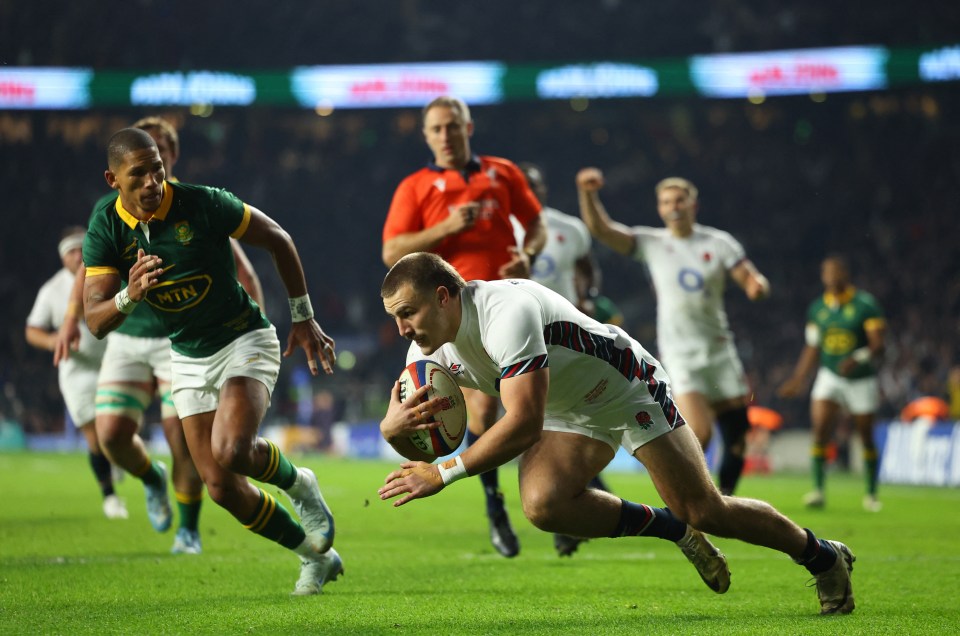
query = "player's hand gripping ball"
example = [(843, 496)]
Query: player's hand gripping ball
[(452, 416)]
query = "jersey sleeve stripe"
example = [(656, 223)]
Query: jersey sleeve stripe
[(524, 366), (242, 228), (100, 271)]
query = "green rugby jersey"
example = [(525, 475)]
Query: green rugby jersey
[(198, 301), (842, 322), (142, 322)]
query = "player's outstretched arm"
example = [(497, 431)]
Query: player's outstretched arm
[(305, 333), (614, 235)]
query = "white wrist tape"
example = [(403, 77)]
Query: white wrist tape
[(125, 304), (862, 355), (300, 308), (812, 335), (452, 470)]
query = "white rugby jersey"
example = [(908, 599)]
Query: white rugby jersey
[(48, 311), (514, 326), (568, 240), (689, 277)]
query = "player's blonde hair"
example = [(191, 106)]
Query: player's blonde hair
[(678, 182), (453, 103), (166, 130)]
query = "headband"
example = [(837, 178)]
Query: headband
[(72, 242)]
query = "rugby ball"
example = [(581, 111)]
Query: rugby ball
[(452, 416)]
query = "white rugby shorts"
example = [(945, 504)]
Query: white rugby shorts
[(78, 386), (630, 422), (197, 381), (860, 396), (719, 376), (135, 359)]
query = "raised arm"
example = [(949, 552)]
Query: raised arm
[(754, 284), (614, 235)]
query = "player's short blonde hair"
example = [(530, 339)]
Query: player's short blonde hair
[(166, 130), (678, 182), (453, 103)]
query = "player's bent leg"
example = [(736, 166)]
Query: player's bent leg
[(117, 423), (684, 484), (680, 476), (557, 498), (257, 509), (554, 474), (235, 446)]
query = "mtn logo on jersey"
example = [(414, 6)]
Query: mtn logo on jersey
[(178, 295)]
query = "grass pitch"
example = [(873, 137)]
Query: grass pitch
[(427, 568)]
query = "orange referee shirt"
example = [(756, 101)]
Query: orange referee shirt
[(425, 198)]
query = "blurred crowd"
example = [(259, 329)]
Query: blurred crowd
[(871, 176), (180, 34)]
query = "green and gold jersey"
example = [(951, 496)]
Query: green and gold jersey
[(198, 301), (841, 322), (142, 323)]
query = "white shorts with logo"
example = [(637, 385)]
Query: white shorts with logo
[(135, 359), (78, 385), (860, 396), (197, 381), (717, 374), (629, 422)]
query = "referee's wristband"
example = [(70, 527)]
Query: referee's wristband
[(452, 470), (300, 308), (125, 304)]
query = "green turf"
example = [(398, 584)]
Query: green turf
[(427, 568)]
